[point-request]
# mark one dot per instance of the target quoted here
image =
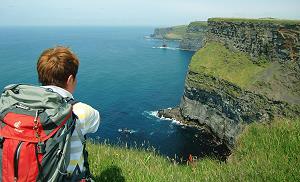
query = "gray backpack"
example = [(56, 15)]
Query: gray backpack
[(35, 135)]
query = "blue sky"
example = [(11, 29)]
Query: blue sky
[(138, 12)]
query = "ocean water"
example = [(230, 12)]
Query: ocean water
[(122, 74)]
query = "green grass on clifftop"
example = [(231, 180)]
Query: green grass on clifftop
[(265, 152), (198, 23), (259, 20), (234, 66), (176, 33)]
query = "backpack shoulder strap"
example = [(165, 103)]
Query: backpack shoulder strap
[(79, 132), (71, 100), (85, 173)]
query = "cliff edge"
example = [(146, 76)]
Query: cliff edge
[(248, 71)]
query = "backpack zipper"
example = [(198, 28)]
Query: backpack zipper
[(16, 160)]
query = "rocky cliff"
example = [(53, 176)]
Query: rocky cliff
[(193, 39), (247, 71), (169, 33), (276, 40)]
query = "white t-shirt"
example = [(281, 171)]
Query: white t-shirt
[(88, 122)]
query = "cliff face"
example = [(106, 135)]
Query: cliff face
[(247, 71), (224, 107), (193, 39), (273, 39), (169, 33), (160, 33)]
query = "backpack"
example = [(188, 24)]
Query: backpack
[(36, 125)]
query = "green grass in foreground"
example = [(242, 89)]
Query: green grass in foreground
[(237, 67), (265, 152)]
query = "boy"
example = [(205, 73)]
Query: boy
[(57, 69)]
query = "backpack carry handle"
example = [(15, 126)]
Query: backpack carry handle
[(11, 87)]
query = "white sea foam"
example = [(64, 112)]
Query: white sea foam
[(150, 114), (154, 114), (176, 122), (169, 48), (126, 130)]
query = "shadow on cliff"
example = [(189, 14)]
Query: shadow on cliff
[(110, 174)]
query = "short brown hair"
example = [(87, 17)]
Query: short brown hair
[(55, 65)]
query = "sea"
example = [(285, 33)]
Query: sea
[(123, 73)]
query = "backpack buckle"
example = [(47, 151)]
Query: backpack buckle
[(41, 148)]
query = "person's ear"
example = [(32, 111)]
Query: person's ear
[(70, 80), (71, 84)]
